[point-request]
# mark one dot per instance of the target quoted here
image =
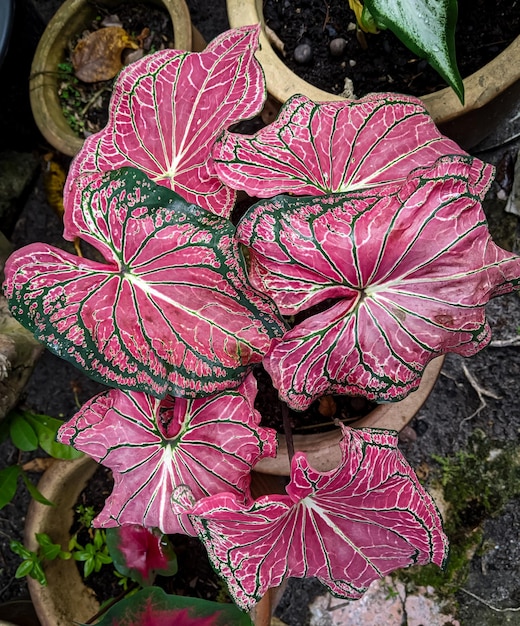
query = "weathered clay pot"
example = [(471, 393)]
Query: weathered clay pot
[(490, 93), (71, 18), (66, 599)]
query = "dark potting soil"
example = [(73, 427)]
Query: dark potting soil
[(85, 105), (195, 576), (320, 416), (484, 28)]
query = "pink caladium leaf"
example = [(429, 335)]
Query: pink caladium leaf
[(140, 553), (334, 147), (170, 311), (153, 607), (153, 445), (406, 276), (166, 111), (347, 527)]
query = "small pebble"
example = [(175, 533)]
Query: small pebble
[(303, 53), (407, 435), (337, 46)]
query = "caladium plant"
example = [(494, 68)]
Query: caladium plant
[(369, 229)]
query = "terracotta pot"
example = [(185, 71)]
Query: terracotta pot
[(490, 93), (72, 17), (66, 599)]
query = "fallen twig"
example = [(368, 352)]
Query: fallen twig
[(490, 606), (481, 393), (504, 343)]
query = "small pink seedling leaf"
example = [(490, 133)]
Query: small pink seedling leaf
[(153, 446), (347, 527), (140, 553), (153, 607), (170, 311), (167, 110), (334, 147), (402, 276)]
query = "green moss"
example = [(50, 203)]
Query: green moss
[(476, 483)]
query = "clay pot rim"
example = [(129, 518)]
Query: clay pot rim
[(322, 449), (443, 105), (70, 18)]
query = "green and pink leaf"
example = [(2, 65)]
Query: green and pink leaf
[(347, 527), (153, 607), (170, 311), (335, 147), (152, 446), (140, 553), (166, 111), (403, 276)]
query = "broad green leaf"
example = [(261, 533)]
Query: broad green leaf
[(46, 428), (23, 434), (35, 493), (427, 28), (8, 483)]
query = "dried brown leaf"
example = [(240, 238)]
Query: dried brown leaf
[(97, 56)]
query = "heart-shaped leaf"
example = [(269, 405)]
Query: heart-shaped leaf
[(171, 310), (153, 607), (428, 29), (347, 527), (334, 147), (140, 553), (167, 110), (405, 274), (154, 445)]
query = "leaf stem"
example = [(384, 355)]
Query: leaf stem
[(287, 431)]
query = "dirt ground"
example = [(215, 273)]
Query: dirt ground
[(472, 395)]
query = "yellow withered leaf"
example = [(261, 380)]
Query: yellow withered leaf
[(97, 56), (54, 180)]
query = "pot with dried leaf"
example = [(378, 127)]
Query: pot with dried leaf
[(467, 111), (82, 49)]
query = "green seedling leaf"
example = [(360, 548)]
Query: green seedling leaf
[(18, 548), (33, 490), (93, 555), (50, 550), (22, 433), (427, 28), (8, 484), (31, 564)]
